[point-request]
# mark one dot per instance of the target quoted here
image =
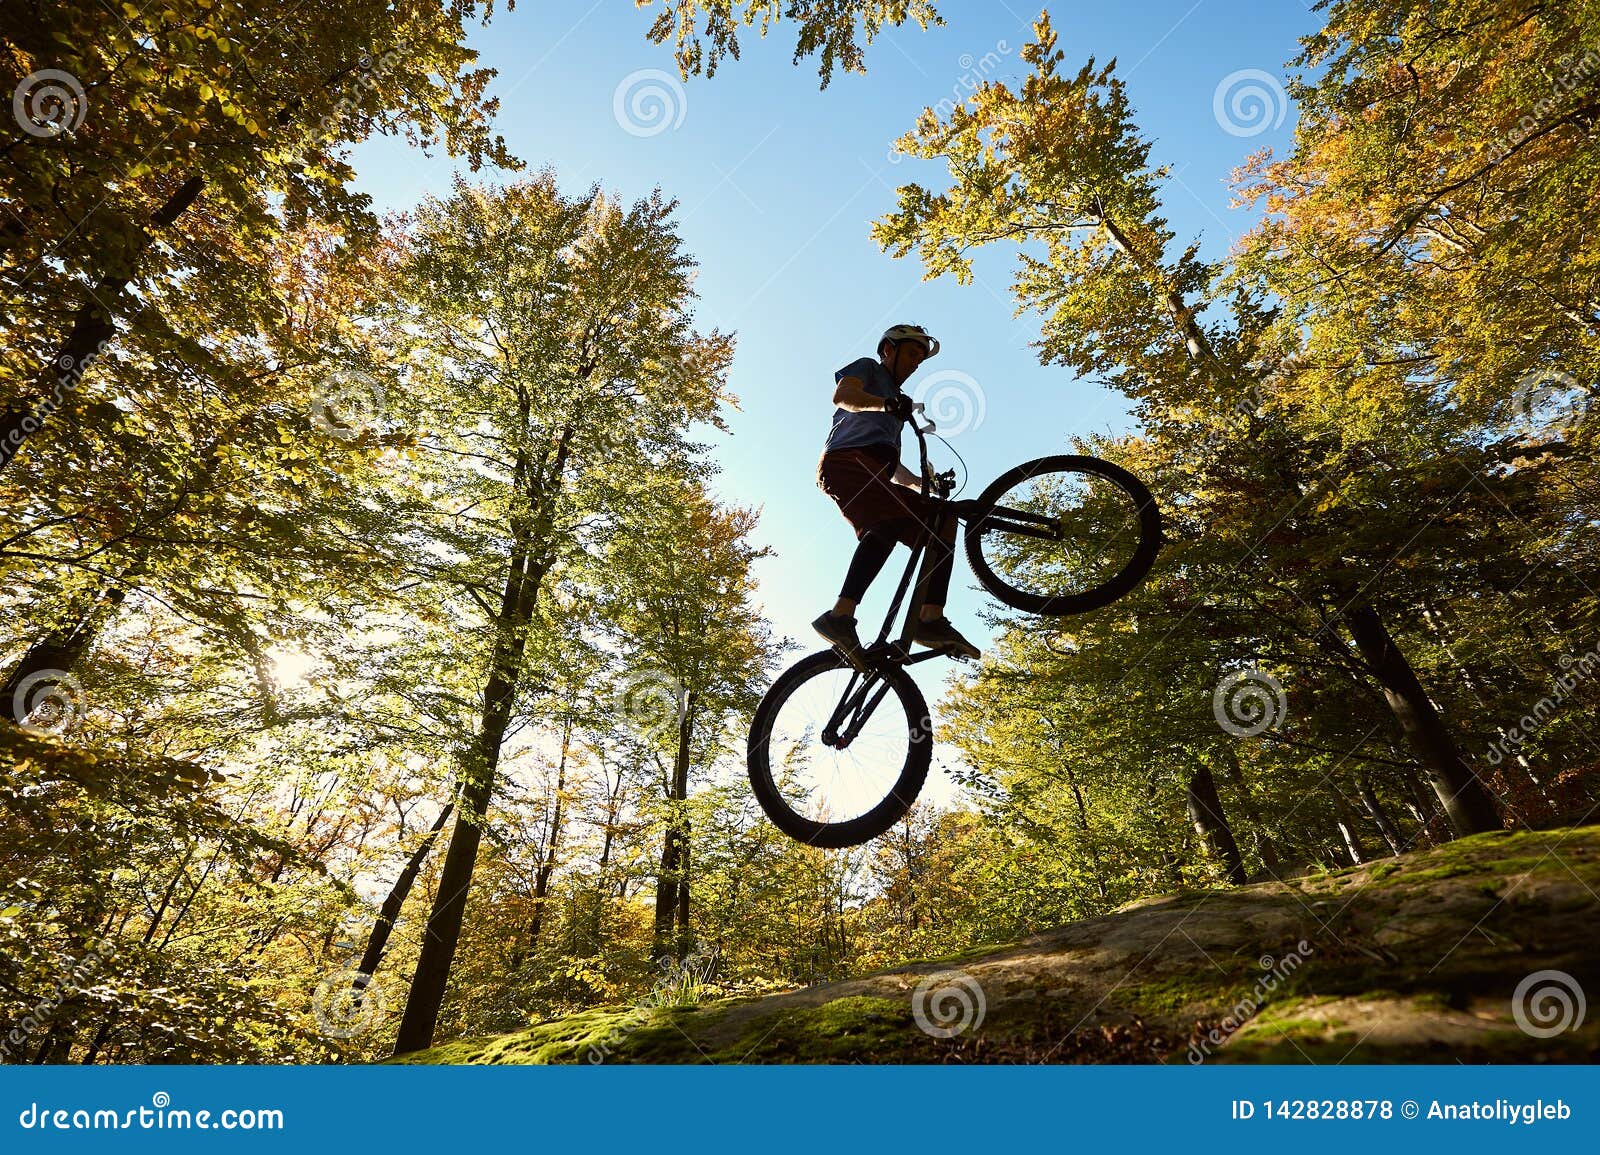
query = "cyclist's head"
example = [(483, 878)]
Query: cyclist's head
[(903, 347)]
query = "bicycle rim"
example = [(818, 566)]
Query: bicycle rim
[(824, 795), (1063, 534)]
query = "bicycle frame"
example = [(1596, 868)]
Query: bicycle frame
[(854, 706)]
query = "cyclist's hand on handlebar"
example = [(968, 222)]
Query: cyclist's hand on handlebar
[(899, 405)]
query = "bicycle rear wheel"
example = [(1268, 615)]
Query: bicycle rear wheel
[(837, 757), (1063, 534)]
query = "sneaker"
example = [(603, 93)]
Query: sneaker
[(939, 634), (838, 630)]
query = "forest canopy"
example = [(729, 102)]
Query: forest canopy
[(379, 653)]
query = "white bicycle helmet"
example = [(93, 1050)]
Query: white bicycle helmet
[(898, 333)]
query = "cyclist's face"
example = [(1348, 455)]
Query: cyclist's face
[(906, 357)]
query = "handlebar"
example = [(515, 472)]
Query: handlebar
[(941, 483)]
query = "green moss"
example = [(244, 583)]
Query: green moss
[(1176, 993), (856, 1028), (1433, 1001), (982, 950), (604, 1034), (1448, 870), (1293, 1028)]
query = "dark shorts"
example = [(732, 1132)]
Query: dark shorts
[(859, 481)]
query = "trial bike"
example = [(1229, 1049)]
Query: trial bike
[(832, 760)]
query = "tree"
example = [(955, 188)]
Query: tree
[(828, 30), (1059, 162), (196, 102), (679, 599), (552, 340)]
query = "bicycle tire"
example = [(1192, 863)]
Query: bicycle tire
[(878, 820), (1108, 591)]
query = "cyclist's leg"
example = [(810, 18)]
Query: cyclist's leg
[(872, 551), (859, 483), (938, 526)]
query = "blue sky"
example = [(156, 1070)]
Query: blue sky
[(778, 182)]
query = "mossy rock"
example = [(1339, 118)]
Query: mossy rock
[(1401, 960)]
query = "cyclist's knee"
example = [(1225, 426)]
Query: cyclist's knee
[(905, 530), (883, 535)]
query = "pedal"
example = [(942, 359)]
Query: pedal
[(856, 661)]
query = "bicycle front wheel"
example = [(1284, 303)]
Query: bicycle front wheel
[(1063, 534), (836, 756)]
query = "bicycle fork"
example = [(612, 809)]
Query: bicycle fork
[(854, 709)]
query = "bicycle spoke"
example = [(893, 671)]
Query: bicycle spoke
[(829, 783), (1062, 533)]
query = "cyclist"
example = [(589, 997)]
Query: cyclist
[(881, 499)]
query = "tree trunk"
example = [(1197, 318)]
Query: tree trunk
[(1265, 847), (378, 939), (684, 937), (666, 898), (675, 851), (541, 881), (1088, 836), (60, 650), (1380, 816), (1467, 805), (1346, 821), (450, 904), (1426, 807), (528, 564), (92, 327), (1205, 813)]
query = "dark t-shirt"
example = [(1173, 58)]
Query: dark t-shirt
[(876, 429)]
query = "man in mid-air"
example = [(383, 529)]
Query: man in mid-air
[(880, 498)]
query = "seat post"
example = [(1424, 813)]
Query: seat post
[(919, 594)]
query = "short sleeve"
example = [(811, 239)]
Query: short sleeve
[(861, 369)]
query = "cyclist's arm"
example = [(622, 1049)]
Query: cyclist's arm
[(903, 476), (852, 395)]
